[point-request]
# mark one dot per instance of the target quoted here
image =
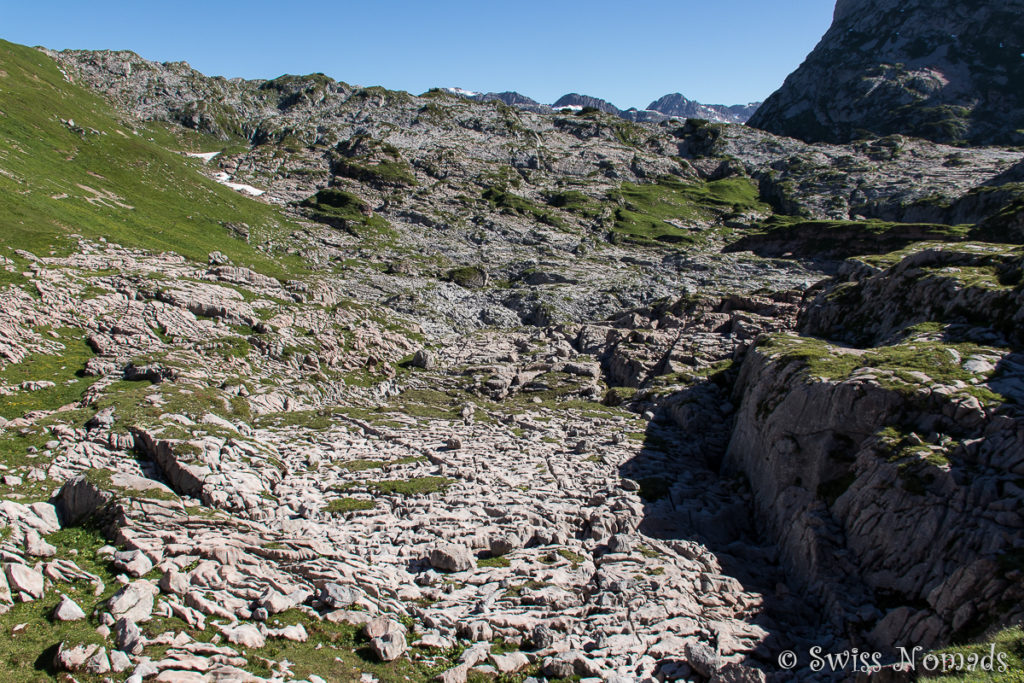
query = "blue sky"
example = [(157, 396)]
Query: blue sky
[(724, 52)]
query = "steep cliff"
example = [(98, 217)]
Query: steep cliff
[(888, 471)]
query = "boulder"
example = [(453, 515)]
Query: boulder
[(73, 658), (425, 359), (119, 661), (68, 610), (382, 625), (129, 637), (732, 672), (504, 544), (701, 658), (25, 583), (134, 602), (451, 557), (389, 646), (98, 663), (510, 663), (133, 562), (245, 635), (337, 596)]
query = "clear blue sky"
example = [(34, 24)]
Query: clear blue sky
[(724, 52)]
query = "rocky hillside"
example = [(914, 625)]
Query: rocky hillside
[(304, 381), (947, 71)]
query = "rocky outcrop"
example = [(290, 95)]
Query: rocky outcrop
[(887, 470), (976, 287), (897, 539), (946, 71)]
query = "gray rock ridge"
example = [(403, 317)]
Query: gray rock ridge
[(945, 71), (894, 178)]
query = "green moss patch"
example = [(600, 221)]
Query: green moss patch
[(514, 204), (652, 214), (416, 486), (343, 505), (345, 211), (1008, 646), (781, 235), (897, 364)]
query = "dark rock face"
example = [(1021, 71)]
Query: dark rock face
[(937, 69)]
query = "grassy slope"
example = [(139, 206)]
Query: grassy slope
[(105, 177)]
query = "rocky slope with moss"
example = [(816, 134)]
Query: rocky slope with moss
[(302, 381), (946, 71)]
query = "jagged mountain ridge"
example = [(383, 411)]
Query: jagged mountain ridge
[(946, 71), (678, 105), (664, 108)]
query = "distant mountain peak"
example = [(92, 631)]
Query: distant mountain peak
[(669, 106), (677, 104), (573, 100), (461, 92)]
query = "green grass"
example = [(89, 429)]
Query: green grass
[(1009, 643), (65, 369), (467, 276), (643, 211), (132, 408), (494, 562), (114, 182), (397, 173), (14, 445), (340, 652), (411, 487), (429, 404), (343, 505), (575, 202), (26, 656), (575, 558), (414, 486), (345, 211)]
